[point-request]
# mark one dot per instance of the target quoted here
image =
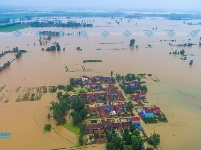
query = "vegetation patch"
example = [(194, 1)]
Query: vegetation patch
[(70, 127), (47, 128), (11, 28), (77, 91), (149, 120), (87, 61)]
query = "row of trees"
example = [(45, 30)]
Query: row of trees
[(58, 24)]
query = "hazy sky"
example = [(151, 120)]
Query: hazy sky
[(118, 4)]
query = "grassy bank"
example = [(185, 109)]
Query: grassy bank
[(11, 28), (71, 128)]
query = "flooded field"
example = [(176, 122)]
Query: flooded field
[(177, 93)]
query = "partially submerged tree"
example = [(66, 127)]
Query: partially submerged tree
[(59, 111), (132, 42), (154, 140), (191, 62)]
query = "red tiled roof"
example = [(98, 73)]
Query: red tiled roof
[(110, 88), (132, 82), (94, 126), (117, 125), (102, 110), (148, 110), (138, 105), (118, 106), (93, 109), (91, 79), (110, 82), (141, 94), (119, 93), (85, 77), (135, 119), (134, 97), (100, 131), (107, 123), (156, 109)]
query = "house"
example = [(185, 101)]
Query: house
[(87, 96), (93, 110), (108, 125), (117, 125), (85, 79), (91, 80), (155, 110), (79, 81), (119, 108), (90, 97), (134, 97), (91, 127), (139, 105), (99, 131), (110, 88), (97, 78), (125, 106), (135, 120), (100, 97), (119, 94), (107, 79), (132, 84), (107, 111), (126, 124), (147, 113), (141, 95), (96, 86)]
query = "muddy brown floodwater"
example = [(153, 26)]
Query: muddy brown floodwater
[(177, 94)]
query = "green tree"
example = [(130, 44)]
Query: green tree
[(79, 111), (137, 142), (59, 95), (111, 73), (132, 42), (59, 111), (154, 140), (130, 104), (114, 142), (149, 148), (127, 137)]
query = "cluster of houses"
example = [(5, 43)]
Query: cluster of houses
[(108, 108), (106, 125), (110, 111), (103, 89), (102, 97)]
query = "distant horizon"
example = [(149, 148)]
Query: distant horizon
[(122, 5), (94, 9)]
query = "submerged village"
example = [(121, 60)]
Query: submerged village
[(111, 110)]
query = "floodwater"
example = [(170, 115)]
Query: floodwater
[(177, 94)]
